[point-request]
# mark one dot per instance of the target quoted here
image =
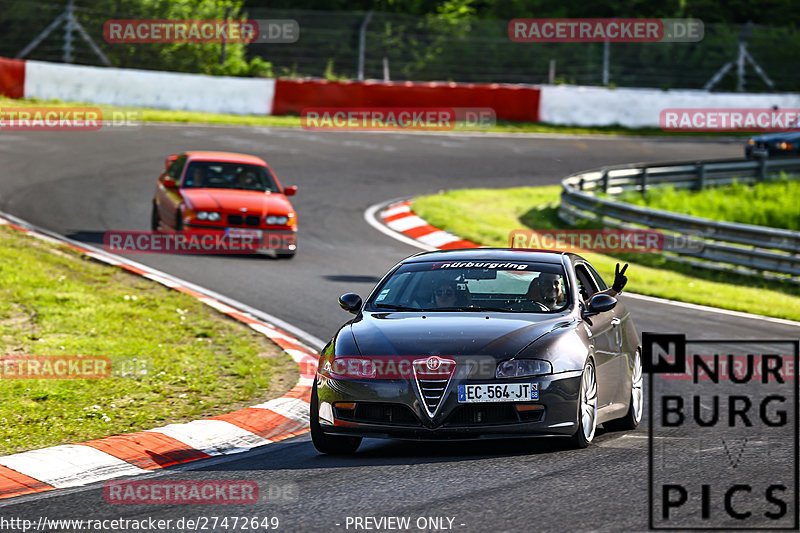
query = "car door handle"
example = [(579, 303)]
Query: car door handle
[(615, 321)]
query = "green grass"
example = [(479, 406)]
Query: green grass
[(293, 121), (772, 204), (493, 213), (173, 358)]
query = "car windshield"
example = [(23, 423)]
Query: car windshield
[(476, 285), (210, 174)]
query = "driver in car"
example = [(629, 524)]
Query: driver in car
[(548, 291)]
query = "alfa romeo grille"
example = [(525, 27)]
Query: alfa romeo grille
[(432, 375)]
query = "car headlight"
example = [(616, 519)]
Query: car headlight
[(751, 142), (785, 146), (279, 220), (212, 216), (517, 368)]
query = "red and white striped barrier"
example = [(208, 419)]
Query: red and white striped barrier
[(399, 217), (74, 465)]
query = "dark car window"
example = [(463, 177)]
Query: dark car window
[(214, 175), (587, 285), (176, 168), (598, 280), (465, 285)]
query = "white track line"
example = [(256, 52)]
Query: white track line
[(371, 219)]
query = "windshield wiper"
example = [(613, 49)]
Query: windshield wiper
[(397, 307), (469, 308), (498, 309)]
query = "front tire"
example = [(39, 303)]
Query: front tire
[(587, 407), (636, 406), (329, 444), (155, 220)]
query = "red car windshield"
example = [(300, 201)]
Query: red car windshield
[(214, 175)]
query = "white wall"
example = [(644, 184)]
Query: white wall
[(145, 88), (636, 108)]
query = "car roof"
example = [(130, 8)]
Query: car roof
[(488, 254), (225, 157)]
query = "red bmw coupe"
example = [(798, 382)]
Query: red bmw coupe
[(236, 194)]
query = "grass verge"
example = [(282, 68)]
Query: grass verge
[(293, 121), (173, 358), (772, 204), (494, 213)]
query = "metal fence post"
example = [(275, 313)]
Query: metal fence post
[(762, 169), (701, 176), (605, 181), (644, 181), (362, 45)]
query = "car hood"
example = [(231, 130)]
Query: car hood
[(787, 136), (451, 333), (257, 202)]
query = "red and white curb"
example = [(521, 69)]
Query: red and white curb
[(399, 217), (74, 465)]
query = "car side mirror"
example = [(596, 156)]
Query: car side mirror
[(169, 183), (599, 303), (170, 160), (291, 190), (350, 302)]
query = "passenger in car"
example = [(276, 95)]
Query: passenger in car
[(446, 294)]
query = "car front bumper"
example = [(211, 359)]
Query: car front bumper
[(267, 241), (393, 409)]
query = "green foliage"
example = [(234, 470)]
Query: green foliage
[(172, 358), (772, 204)]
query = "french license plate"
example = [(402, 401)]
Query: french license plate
[(498, 392)]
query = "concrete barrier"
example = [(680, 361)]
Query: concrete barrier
[(510, 102), (571, 105), (144, 88)]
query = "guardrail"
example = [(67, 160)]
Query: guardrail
[(744, 248)]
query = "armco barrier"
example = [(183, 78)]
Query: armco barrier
[(510, 102), (12, 78), (768, 252)]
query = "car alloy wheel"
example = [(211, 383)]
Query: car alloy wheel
[(587, 407), (637, 389)]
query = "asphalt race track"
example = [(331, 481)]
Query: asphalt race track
[(83, 184)]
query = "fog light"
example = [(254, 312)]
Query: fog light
[(527, 407)]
